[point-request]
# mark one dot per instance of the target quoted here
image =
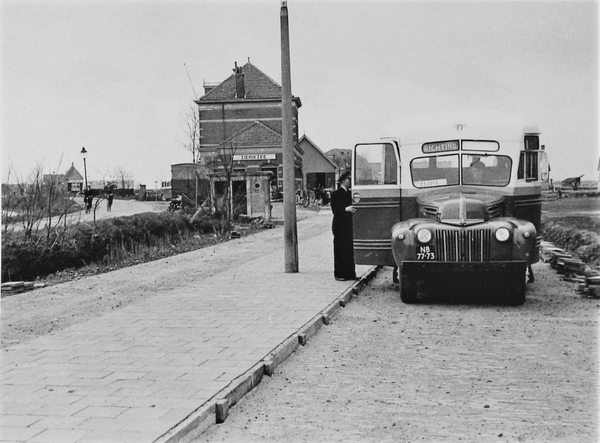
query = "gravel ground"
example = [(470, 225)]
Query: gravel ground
[(439, 372)]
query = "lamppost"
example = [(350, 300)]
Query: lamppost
[(84, 156)]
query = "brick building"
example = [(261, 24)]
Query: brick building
[(241, 117), (318, 169)]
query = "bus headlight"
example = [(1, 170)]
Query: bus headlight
[(424, 235), (502, 234)]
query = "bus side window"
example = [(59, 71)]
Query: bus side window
[(532, 142), (528, 161), (375, 164), (528, 166), (390, 173)]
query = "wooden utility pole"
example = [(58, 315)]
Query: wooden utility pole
[(290, 231)]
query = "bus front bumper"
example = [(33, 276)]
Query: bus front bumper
[(440, 274), (459, 267)]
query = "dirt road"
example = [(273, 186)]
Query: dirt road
[(120, 208), (384, 371)]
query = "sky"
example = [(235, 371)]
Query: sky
[(118, 77)]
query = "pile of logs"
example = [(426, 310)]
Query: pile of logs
[(572, 270), (16, 287)]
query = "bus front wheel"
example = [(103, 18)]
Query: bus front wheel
[(515, 291), (409, 287)]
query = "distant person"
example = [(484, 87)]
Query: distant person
[(90, 201), (319, 196), (343, 242), (474, 173), (88, 198), (109, 201)]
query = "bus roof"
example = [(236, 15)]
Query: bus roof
[(465, 124)]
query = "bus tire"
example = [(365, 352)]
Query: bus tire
[(515, 294), (408, 288)]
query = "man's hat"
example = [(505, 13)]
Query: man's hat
[(344, 176)]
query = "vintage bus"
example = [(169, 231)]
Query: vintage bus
[(463, 199)]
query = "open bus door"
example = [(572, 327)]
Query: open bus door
[(376, 193)]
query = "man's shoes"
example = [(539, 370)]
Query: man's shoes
[(346, 279)]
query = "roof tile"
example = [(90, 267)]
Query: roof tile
[(255, 134), (257, 85)]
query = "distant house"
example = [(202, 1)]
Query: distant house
[(342, 158), (71, 180), (190, 179), (318, 169), (55, 180)]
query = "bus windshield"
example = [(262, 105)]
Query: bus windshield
[(443, 170), (438, 170)]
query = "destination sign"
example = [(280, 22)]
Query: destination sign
[(430, 148), (431, 183)]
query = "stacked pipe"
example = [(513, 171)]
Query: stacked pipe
[(572, 269)]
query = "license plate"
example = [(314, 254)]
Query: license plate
[(425, 253)]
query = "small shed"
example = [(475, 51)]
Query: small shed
[(318, 170), (250, 193), (74, 179), (191, 180), (572, 182)]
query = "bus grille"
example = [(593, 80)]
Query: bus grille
[(463, 246)]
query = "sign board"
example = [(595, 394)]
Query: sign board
[(430, 148), (254, 157)]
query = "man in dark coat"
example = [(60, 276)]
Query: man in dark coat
[(343, 244), (109, 200), (88, 199)]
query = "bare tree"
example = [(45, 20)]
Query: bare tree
[(123, 176), (104, 173), (58, 200), (342, 161), (31, 206), (193, 136), (226, 203), (37, 198), (99, 199), (10, 201)]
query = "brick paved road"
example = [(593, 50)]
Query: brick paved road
[(135, 373)]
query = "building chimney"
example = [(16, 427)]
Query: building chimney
[(240, 91)]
